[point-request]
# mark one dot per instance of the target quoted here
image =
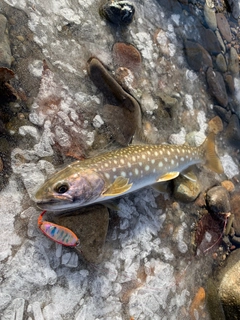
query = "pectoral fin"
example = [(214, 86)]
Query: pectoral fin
[(119, 186), (168, 176), (189, 175)]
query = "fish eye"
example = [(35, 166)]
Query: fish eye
[(62, 187)]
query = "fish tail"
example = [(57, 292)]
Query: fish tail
[(209, 153)]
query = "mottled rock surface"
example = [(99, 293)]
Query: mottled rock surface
[(5, 51), (210, 17), (233, 64), (224, 27), (186, 190)]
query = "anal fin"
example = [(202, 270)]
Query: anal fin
[(119, 186), (168, 176)]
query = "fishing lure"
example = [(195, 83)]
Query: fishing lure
[(57, 233)]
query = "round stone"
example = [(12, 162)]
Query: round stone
[(118, 12)]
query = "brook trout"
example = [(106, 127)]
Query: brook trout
[(121, 171)]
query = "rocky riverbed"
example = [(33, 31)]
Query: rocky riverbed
[(80, 78)]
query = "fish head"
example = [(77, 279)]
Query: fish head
[(70, 188)]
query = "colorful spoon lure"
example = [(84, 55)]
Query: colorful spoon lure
[(57, 233)]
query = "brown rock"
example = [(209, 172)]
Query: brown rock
[(197, 57), (126, 55), (90, 225), (227, 184), (218, 200), (186, 190), (229, 83), (233, 64), (235, 209), (217, 86), (215, 125), (209, 41), (224, 27)]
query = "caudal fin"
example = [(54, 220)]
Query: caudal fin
[(209, 152)]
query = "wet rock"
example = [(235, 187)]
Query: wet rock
[(228, 290), (217, 86), (235, 207), (223, 113), (210, 17), (197, 57), (209, 41), (213, 301), (235, 8), (224, 27), (90, 225), (215, 125), (126, 55), (129, 121), (220, 40), (118, 12), (5, 51), (217, 199), (186, 190), (229, 83), (221, 63), (125, 78), (232, 131), (233, 64), (228, 185)]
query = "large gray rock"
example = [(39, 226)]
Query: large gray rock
[(197, 57), (233, 64)]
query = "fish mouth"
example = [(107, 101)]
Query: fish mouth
[(57, 205)]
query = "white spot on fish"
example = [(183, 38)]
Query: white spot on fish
[(153, 161), (133, 158), (182, 159), (107, 175), (172, 161), (168, 152), (123, 174), (114, 169), (160, 164), (147, 167), (136, 171), (143, 156), (166, 159), (115, 161), (106, 164), (122, 161), (140, 164), (156, 153)]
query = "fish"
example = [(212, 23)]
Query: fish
[(119, 172)]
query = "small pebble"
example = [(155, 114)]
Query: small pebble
[(227, 184), (118, 12)]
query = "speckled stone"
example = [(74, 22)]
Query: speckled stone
[(224, 27), (233, 64), (221, 63), (217, 199), (186, 190), (197, 57), (210, 17), (217, 86)]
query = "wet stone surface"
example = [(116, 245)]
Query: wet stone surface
[(170, 59)]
